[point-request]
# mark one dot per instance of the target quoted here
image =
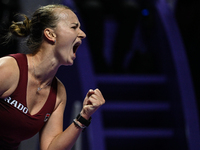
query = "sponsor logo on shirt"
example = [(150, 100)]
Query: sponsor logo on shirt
[(47, 117), (16, 104)]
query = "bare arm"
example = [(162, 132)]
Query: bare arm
[(53, 137), (9, 76)]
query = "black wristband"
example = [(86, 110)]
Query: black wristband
[(83, 120)]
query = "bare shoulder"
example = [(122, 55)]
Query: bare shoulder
[(9, 77), (61, 94)]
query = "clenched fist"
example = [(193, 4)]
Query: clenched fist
[(93, 100)]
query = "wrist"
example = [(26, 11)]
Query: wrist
[(83, 120), (84, 115), (78, 124)]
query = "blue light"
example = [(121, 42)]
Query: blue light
[(145, 12)]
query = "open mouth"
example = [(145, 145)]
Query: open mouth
[(75, 47)]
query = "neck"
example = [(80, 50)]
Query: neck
[(43, 68)]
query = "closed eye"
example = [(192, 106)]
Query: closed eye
[(75, 26)]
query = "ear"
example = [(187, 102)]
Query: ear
[(50, 35)]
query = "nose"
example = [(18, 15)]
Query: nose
[(82, 34)]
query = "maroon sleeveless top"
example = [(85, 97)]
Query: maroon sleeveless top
[(16, 123)]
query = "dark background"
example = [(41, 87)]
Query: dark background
[(186, 12)]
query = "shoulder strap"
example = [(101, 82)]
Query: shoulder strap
[(20, 91)]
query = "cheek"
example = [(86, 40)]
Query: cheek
[(63, 41), (67, 38)]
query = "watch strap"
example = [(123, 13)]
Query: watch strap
[(83, 121)]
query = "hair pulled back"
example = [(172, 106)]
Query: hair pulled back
[(43, 17)]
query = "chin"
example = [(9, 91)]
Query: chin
[(69, 63)]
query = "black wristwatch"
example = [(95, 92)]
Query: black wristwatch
[(83, 120)]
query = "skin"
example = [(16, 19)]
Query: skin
[(50, 57)]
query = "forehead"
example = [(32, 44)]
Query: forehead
[(68, 16)]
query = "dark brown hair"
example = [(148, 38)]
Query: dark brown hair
[(43, 17)]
